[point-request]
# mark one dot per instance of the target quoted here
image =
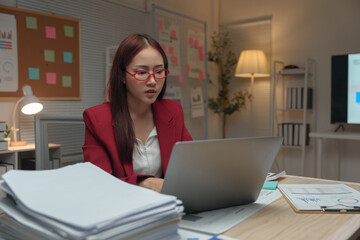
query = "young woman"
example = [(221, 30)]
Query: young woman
[(132, 135)]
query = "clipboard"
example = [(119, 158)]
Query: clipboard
[(354, 208)]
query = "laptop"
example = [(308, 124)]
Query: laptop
[(219, 173)]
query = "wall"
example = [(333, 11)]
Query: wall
[(316, 29)]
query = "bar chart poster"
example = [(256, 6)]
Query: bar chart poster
[(8, 54)]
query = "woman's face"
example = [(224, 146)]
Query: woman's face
[(144, 92)]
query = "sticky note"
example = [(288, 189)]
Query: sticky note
[(34, 73), (69, 31), (50, 78), (50, 32), (173, 34), (191, 41), (187, 67), (358, 97), (49, 55), (31, 22), (270, 185), (66, 81), (167, 24), (201, 54), (196, 43), (201, 75), (171, 50), (68, 57), (161, 25), (163, 47), (174, 60), (180, 78)]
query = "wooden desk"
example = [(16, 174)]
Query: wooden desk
[(330, 134), (279, 221), (14, 154)]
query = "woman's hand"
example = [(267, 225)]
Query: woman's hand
[(152, 183)]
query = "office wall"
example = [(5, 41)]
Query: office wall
[(316, 29)]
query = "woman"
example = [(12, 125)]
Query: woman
[(132, 135)]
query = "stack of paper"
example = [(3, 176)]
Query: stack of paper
[(84, 202)]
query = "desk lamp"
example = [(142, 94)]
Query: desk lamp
[(251, 64), (29, 105)]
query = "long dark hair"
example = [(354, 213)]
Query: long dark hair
[(124, 130)]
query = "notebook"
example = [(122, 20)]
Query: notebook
[(219, 173)]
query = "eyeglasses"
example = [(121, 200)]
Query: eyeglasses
[(159, 75)]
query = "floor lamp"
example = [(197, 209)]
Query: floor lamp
[(29, 105), (251, 64)]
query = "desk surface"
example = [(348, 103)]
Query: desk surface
[(28, 147), (336, 135), (279, 221)]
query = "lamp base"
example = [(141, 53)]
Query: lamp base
[(18, 143)]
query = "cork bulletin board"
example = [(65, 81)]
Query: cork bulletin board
[(48, 55)]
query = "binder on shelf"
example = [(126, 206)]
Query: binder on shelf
[(301, 134), (309, 98), (296, 134), (4, 145), (291, 134), (286, 134)]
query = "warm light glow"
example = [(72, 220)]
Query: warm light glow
[(32, 108), (252, 63)]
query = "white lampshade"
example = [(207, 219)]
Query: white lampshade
[(30, 103), (252, 63)]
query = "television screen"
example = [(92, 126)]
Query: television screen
[(345, 88)]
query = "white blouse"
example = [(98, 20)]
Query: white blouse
[(146, 158)]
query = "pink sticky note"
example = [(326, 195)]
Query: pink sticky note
[(171, 50), (173, 34), (181, 78), (50, 32), (51, 78), (196, 43), (161, 25), (201, 75), (187, 67), (163, 47), (201, 54), (191, 41), (174, 60)]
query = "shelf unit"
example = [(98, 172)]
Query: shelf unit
[(289, 106)]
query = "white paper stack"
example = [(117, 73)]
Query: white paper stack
[(82, 201)]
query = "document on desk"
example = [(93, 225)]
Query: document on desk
[(312, 197), (218, 221)]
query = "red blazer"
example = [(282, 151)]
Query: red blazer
[(100, 147)]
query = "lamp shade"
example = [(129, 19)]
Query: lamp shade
[(30, 103), (252, 63)]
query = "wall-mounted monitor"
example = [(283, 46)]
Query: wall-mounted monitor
[(345, 89)]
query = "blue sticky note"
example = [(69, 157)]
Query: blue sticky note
[(270, 185), (68, 57), (34, 73), (358, 97)]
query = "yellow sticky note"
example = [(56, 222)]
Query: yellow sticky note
[(69, 31), (49, 55), (66, 81), (31, 22)]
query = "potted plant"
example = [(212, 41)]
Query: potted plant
[(225, 60), (7, 133)]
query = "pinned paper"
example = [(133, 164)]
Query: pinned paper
[(68, 57), (161, 25), (174, 93), (51, 78), (50, 32), (196, 43), (31, 22), (69, 31), (66, 81), (163, 47), (197, 104), (49, 55), (201, 75), (187, 67), (171, 50), (167, 24), (180, 78), (34, 73), (191, 41), (174, 60), (201, 54), (173, 34)]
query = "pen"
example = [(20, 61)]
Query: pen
[(350, 209)]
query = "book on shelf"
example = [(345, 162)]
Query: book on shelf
[(4, 145), (292, 133), (295, 98), (2, 136), (2, 170), (290, 71)]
